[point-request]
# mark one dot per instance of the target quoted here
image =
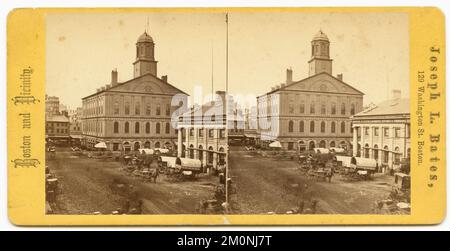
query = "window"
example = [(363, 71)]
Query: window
[(333, 108), (200, 132), (137, 109), (322, 127), (342, 127), (343, 109), (312, 108), (323, 109), (291, 126), (191, 132), (311, 126), (127, 108), (375, 131), (302, 106), (352, 109), (116, 127), (222, 133), (158, 109), (291, 108), (116, 107), (136, 127), (167, 110), (386, 132), (397, 132), (386, 154), (167, 128), (147, 127), (127, 127), (333, 127), (148, 110), (158, 128), (210, 133), (302, 126), (366, 131)]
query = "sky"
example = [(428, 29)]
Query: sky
[(371, 50)]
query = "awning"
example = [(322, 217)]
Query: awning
[(101, 145), (275, 144)]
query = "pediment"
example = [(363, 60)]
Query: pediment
[(147, 84), (322, 83)]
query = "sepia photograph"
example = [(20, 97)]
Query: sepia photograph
[(238, 112)]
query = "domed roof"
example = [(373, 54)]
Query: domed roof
[(145, 38), (320, 36)]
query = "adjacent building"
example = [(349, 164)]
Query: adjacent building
[(132, 114), (57, 129), (383, 132), (201, 133), (51, 105), (312, 112)]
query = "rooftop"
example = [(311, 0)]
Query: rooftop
[(388, 107)]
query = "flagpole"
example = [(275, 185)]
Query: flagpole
[(226, 124)]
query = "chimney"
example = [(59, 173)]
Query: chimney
[(396, 94), (340, 77), (164, 78), (288, 76), (114, 77)]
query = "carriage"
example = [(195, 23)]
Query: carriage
[(355, 167)]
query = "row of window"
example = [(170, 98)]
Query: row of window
[(137, 127), (137, 109), (323, 108), (57, 131), (312, 127), (386, 133), (210, 133)]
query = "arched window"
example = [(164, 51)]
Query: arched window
[(366, 151), (312, 108), (375, 151), (343, 109), (386, 154), (332, 144), (333, 127), (333, 108), (323, 109), (352, 109), (147, 127), (127, 108), (157, 145), (291, 126), (127, 127), (322, 127), (397, 155), (302, 126), (158, 128), (137, 108), (167, 128), (116, 127), (342, 127), (136, 127), (311, 126)]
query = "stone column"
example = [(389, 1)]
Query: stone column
[(180, 142), (216, 144), (196, 153), (355, 140), (188, 133), (371, 132), (362, 141)]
